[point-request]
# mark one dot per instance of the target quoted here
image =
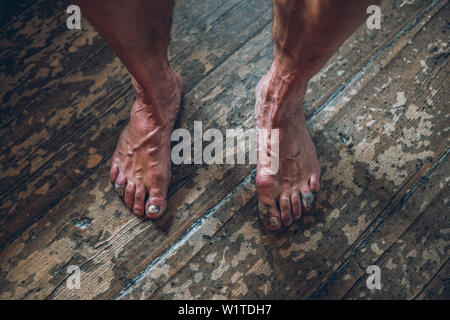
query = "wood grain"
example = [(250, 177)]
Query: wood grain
[(439, 287), (416, 256), (387, 243), (372, 148)]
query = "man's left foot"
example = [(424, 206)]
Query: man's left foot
[(140, 169)]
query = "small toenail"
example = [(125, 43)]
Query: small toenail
[(274, 222), (120, 189), (308, 199), (153, 209)]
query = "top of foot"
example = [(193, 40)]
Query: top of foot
[(141, 165)]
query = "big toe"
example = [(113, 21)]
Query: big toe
[(308, 195), (156, 205), (268, 210)]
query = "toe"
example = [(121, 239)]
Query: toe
[(314, 183), (139, 200), (121, 179), (156, 205), (296, 206), (272, 221), (305, 191), (120, 184), (113, 174), (129, 195), (285, 206), (269, 214), (266, 188)]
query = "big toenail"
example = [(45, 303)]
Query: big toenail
[(274, 221), (153, 208), (308, 199), (120, 189)]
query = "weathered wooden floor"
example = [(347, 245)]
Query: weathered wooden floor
[(378, 113)]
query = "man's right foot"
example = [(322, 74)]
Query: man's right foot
[(291, 190), (141, 164)]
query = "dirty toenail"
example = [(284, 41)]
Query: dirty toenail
[(262, 210), (120, 189), (153, 208), (308, 199), (274, 222)]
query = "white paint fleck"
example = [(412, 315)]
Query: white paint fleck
[(401, 100)]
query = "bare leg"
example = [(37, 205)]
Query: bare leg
[(138, 31), (306, 33)]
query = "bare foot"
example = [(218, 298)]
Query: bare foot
[(285, 194), (141, 164)]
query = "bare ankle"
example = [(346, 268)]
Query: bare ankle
[(280, 95), (158, 87)]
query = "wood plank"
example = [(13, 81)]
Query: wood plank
[(244, 261), (31, 116), (12, 10), (29, 170), (42, 165), (414, 258), (388, 236), (115, 246), (439, 287), (39, 51)]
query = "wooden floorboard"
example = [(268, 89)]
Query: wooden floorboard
[(60, 208), (13, 10), (386, 245), (39, 51), (439, 287), (244, 261), (415, 257)]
